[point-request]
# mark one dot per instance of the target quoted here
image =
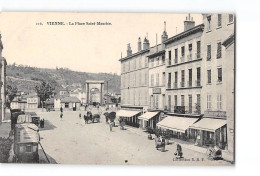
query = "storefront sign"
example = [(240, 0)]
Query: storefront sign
[(215, 114), (156, 90)]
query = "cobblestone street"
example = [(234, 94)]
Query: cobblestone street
[(71, 141)]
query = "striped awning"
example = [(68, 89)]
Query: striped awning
[(209, 124), (179, 124), (148, 115), (126, 113)]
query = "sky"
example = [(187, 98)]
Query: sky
[(86, 48)]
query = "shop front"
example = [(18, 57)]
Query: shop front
[(130, 117), (210, 131), (178, 127), (149, 119)]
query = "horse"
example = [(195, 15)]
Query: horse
[(110, 116), (96, 117), (88, 117)]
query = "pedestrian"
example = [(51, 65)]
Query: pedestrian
[(80, 115), (178, 152), (110, 126), (61, 109), (42, 123), (163, 144), (61, 115)]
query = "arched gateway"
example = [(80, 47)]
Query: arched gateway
[(95, 91)]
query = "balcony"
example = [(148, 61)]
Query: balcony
[(187, 110), (189, 57), (198, 83), (189, 83), (182, 84), (182, 59)]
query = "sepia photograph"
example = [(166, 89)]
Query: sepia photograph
[(146, 89)]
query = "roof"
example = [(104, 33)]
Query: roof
[(70, 100), (193, 30), (135, 54)]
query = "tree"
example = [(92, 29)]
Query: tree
[(44, 91), (11, 92)]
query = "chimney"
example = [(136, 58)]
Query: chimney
[(188, 23), (146, 44), (129, 50), (156, 44), (139, 44), (164, 35)]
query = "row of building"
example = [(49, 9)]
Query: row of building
[(188, 79)]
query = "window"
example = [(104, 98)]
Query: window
[(198, 104), (190, 78), (219, 20), (152, 62), (209, 23), (66, 105), (219, 74), (219, 53), (169, 80), (152, 80), (182, 100), (123, 66), (182, 51), (209, 102), (176, 56), (146, 61), (134, 80), (145, 78), (190, 103), (157, 61), (157, 79), (169, 102), (156, 101), (208, 52), (176, 79), (182, 78), (170, 57), (163, 59), (134, 64), (198, 49), (219, 101), (190, 47), (209, 76), (175, 100), (198, 76), (230, 18)]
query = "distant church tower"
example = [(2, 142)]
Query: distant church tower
[(2, 82)]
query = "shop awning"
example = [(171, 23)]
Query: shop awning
[(148, 115), (209, 124), (125, 113), (179, 124)]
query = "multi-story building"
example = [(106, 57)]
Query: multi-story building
[(218, 81), (183, 85), (134, 81)]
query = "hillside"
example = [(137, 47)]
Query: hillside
[(26, 77)]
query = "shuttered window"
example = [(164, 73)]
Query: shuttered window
[(198, 49), (219, 20), (219, 74), (219, 52), (208, 52), (209, 76)]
